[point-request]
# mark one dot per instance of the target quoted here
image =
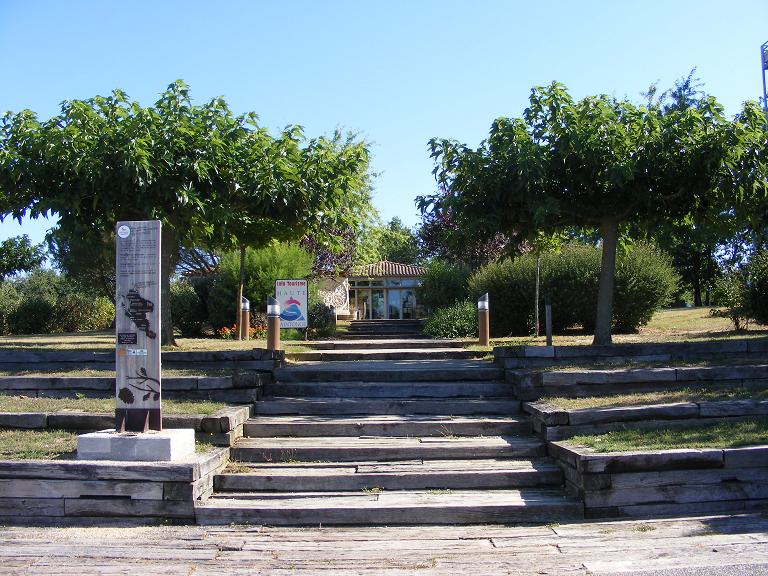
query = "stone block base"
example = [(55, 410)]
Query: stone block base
[(165, 446)]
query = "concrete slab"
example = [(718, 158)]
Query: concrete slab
[(163, 446)]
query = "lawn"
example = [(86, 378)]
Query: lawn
[(672, 325), (688, 394), (37, 445), (751, 432), (10, 403)]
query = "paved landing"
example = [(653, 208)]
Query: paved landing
[(722, 546)]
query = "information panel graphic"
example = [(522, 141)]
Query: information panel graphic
[(137, 326), (292, 296)]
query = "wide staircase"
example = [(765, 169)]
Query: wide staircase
[(388, 442), (384, 329)]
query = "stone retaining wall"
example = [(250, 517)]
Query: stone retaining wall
[(512, 357), (221, 428), (534, 384), (666, 482), (557, 424), (60, 491)]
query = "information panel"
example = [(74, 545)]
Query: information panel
[(137, 326), (292, 296)]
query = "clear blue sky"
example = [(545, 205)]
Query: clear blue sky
[(397, 71)]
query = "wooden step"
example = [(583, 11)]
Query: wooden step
[(391, 371), (385, 508), (385, 425), (348, 406), (394, 389), (403, 353), (347, 449), (400, 475), (380, 344)]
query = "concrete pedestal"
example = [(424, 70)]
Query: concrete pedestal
[(163, 446)]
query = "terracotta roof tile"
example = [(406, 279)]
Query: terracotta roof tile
[(385, 268)]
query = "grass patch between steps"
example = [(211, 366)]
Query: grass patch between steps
[(687, 394), (49, 445), (16, 404), (37, 445), (751, 432)]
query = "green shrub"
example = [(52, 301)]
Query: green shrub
[(9, 301), (757, 287), (78, 312), (456, 321), (187, 310), (510, 285), (262, 268), (730, 292), (645, 280), (322, 320), (443, 284), (33, 315)]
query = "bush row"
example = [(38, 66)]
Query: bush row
[(210, 300), (45, 302), (743, 292), (645, 281)]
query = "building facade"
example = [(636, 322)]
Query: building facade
[(381, 291)]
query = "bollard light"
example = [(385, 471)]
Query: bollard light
[(273, 307), (245, 319), (273, 324), (483, 321)]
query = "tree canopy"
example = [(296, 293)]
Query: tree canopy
[(599, 162), (18, 254), (214, 179)]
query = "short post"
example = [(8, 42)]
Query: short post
[(548, 320), (245, 319), (273, 324), (483, 320)]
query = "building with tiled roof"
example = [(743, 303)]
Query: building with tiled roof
[(385, 290)]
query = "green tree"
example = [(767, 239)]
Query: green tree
[(601, 162), (392, 241), (17, 254), (287, 190), (197, 168)]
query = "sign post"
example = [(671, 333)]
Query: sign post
[(291, 295), (137, 326), (138, 434)]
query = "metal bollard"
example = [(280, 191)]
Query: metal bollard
[(548, 321), (245, 319), (483, 320), (273, 324)]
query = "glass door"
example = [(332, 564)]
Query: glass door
[(378, 308), (393, 304), (362, 304), (408, 299)]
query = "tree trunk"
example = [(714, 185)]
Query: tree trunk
[(240, 284), (536, 297), (697, 280), (169, 249), (609, 231)]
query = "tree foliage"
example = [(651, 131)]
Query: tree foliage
[(214, 179), (17, 254), (600, 162)]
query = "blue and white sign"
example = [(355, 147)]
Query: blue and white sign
[(292, 296)]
